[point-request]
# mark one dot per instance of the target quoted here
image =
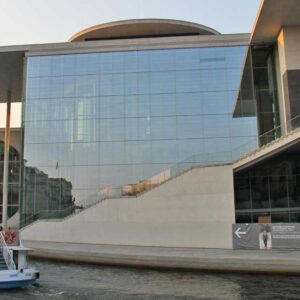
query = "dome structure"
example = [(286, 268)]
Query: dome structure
[(141, 28)]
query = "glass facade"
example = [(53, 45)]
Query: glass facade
[(13, 180), (266, 93), (101, 120), (271, 188), (258, 94)]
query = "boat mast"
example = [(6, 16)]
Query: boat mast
[(6, 162)]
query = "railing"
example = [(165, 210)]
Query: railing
[(131, 189), (265, 139), (293, 123), (198, 160), (6, 253), (105, 193), (203, 159), (48, 214)]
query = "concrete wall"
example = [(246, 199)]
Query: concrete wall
[(283, 105), (289, 62), (291, 43), (288, 47), (195, 209), (135, 44), (281, 52)]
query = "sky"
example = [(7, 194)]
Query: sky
[(49, 21)]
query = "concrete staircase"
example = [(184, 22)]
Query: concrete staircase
[(3, 265), (183, 171)]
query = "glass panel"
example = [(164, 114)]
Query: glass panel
[(294, 190), (242, 193), (274, 186), (278, 191), (98, 121), (243, 218), (260, 192)]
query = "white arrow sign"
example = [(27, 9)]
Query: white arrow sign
[(238, 232)]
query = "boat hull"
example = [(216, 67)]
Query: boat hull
[(16, 284), (18, 278)]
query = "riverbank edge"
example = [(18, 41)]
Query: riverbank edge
[(188, 259)]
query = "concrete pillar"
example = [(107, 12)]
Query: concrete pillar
[(289, 63), (6, 163)]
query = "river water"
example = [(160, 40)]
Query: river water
[(75, 281)]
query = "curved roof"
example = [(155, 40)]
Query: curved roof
[(139, 28)]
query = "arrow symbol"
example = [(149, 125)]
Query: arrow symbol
[(238, 232)]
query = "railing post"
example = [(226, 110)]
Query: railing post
[(6, 253)]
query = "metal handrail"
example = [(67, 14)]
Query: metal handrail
[(266, 139), (6, 253), (67, 211)]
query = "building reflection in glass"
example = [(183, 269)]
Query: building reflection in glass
[(13, 180), (45, 197), (115, 119)]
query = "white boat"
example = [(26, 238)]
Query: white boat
[(14, 270)]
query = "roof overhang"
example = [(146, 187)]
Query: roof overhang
[(272, 16), (140, 28), (11, 75)]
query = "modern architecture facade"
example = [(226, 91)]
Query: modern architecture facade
[(117, 118), (117, 115)]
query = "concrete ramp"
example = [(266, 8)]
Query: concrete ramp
[(195, 209)]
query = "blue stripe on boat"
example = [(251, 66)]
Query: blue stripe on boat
[(16, 283)]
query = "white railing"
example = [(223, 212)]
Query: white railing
[(6, 253)]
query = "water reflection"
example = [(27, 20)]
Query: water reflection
[(70, 281)]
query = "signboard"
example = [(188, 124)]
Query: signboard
[(286, 235), (266, 236), (245, 236)]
